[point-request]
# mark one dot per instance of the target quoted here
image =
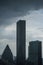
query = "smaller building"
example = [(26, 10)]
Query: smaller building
[(7, 55), (35, 52)]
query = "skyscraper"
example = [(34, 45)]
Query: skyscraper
[(21, 38), (35, 52), (7, 55)]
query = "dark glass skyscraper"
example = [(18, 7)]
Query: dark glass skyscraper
[(7, 55), (21, 39), (35, 52)]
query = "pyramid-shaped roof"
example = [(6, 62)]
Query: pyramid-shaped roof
[(7, 54)]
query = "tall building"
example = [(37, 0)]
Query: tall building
[(21, 39), (7, 55), (35, 52)]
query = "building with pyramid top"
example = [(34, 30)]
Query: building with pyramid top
[(7, 55)]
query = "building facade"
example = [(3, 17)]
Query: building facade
[(7, 55), (35, 52), (21, 39)]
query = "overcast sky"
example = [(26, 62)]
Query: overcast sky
[(13, 10)]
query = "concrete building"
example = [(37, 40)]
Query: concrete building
[(21, 39), (35, 52)]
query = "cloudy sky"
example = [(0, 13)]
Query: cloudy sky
[(13, 10)]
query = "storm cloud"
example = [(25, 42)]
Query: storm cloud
[(16, 8)]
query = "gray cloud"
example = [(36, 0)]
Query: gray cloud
[(15, 8), (9, 37)]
